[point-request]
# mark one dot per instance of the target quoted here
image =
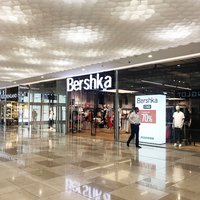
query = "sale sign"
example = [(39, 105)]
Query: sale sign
[(148, 116), (152, 118)]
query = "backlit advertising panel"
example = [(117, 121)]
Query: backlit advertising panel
[(152, 118)]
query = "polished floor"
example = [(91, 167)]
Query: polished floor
[(42, 164)]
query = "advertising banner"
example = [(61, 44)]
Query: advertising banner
[(152, 118)]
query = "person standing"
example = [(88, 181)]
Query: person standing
[(51, 118), (134, 120)]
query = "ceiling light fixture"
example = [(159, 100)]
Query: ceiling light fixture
[(58, 53), (3, 58), (140, 10), (151, 82), (62, 62), (12, 14), (120, 91), (33, 61), (79, 1), (33, 42), (174, 33), (165, 85), (150, 56), (80, 34)]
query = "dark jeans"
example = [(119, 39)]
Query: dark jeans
[(50, 123), (134, 132), (178, 134)]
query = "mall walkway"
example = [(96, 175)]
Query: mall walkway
[(44, 165)]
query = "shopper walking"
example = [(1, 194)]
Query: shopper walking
[(134, 120)]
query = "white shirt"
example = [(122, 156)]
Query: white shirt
[(134, 118), (178, 119)]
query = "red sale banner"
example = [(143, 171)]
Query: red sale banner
[(147, 116)]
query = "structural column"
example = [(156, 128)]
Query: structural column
[(116, 134)]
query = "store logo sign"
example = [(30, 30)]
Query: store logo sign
[(8, 96), (188, 94), (147, 100), (91, 83)]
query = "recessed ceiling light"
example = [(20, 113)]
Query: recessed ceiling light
[(150, 56), (42, 76), (15, 82), (83, 69), (178, 65)]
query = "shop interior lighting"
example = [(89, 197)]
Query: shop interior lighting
[(166, 85), (151, 82), (150, 56), (120, 91), (175, 99)]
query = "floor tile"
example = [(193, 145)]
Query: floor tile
[(85, 164), (48, 163), (83, 168), (44, 174), (40, 190)]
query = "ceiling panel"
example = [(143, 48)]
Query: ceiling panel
[(46, 36)]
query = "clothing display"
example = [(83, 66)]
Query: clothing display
[(178, 121)]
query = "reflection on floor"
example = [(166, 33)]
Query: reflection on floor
[(41, 164), (108, 134)]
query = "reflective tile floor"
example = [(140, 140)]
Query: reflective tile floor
[(39, 164)]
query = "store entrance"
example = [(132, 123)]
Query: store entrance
[(91, 113)]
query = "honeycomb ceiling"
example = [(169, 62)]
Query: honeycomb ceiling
[(39, 37)]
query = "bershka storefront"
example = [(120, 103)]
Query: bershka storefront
[(91, 104), (100, 103)]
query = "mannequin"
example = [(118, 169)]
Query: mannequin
[(178, 121), (188, 121), (120, 117), (109, 115)]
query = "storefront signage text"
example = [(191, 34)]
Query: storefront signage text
[(188, 94), (147, 100), (90, 83), (9, 96)]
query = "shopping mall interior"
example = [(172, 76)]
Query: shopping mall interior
[(72, 73)]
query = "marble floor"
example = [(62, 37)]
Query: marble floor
[(41, 164)]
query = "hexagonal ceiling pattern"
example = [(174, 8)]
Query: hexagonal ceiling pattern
[(39, 37)]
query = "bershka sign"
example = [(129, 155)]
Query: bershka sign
[(91, 83), (152, 118), (146, 100)]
